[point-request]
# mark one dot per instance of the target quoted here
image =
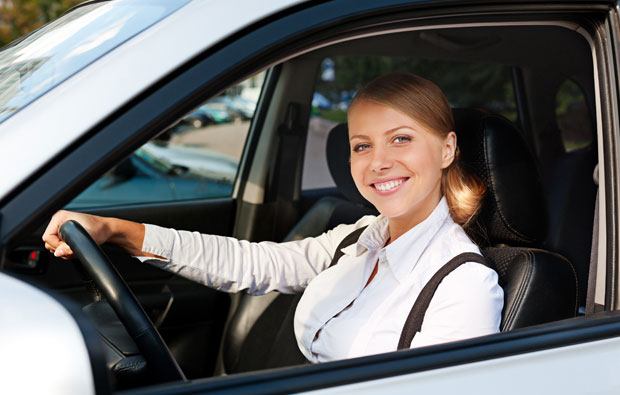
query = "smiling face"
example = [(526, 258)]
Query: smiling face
[(396, 162)]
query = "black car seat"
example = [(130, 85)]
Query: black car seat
[(570, 188), (253, 327), (539, 286)]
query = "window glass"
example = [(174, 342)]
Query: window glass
[(474, 85), (197, 158), (43, 59), (573, 117)]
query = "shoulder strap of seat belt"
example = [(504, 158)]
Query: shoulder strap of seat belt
[(285, 181), (347, 241), (413, 324)]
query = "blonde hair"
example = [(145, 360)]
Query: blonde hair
[(424, 101)]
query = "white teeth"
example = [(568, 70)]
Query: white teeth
[(389, 185)]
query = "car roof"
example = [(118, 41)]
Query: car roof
[(41, 130)]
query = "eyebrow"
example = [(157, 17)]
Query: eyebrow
[(363, 136)]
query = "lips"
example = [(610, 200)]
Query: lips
[(389, 186)]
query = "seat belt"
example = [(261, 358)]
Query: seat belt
[(286, 175), (288, 353), (413, 323), (290, 134), (591, 306)]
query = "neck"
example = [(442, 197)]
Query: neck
[(400, 225)]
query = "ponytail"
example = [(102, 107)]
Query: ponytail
[(463, 191)]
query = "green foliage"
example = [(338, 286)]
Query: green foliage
[(478, 85), (334, 115), (20, 17)]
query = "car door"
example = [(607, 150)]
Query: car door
[(478, 363), (552, 357)]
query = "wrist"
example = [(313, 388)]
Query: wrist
[(110, 230), (126, 234)]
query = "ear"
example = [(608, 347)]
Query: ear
[(448, 150)]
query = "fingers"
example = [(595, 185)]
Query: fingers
[(63, 251), (51, 237), (50, 248), (51, 240)]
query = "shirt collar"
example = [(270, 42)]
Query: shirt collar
[(402, 254)]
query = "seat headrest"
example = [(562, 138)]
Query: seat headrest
[(514, 210), (338, 154)]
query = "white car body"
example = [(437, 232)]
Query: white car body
[(139, 62), (33, 136), (57, 355)]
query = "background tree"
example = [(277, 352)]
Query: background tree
[(20, 17), (474, 85)]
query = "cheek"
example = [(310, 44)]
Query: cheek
[(424, 162), (357, 171)]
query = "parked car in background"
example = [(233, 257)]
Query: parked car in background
[(204, 115), (157, 172), (238, 106), (88, 104), (321, 102)]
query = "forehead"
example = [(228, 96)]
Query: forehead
[(369, 118)]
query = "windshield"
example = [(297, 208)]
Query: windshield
[(40, 61)]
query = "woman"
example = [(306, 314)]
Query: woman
[(404, 160)]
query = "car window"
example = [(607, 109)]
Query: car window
[(197, 158), (573, 116), (40, 61), (485, 86)]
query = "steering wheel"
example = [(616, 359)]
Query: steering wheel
[(160, 362)]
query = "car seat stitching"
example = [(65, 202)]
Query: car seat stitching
[(493, 184)]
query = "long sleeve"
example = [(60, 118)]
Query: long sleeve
[(232, 265)]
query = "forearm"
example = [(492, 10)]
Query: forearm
[(127, 235), (233, 265)]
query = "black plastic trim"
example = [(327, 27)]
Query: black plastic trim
[(521, 99), (339, 373)]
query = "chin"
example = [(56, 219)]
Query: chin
[(393, 210), (393, 214)]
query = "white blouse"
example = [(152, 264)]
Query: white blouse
[(338, 317)]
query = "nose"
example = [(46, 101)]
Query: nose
[(381, 160)]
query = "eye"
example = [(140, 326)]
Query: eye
[(401, 139), (360, 147)]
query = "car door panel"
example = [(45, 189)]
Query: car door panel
[(485, 377)]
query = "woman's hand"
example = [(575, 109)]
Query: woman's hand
[(97, 227), (126, 234)]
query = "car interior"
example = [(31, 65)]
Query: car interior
[(524, 105)]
